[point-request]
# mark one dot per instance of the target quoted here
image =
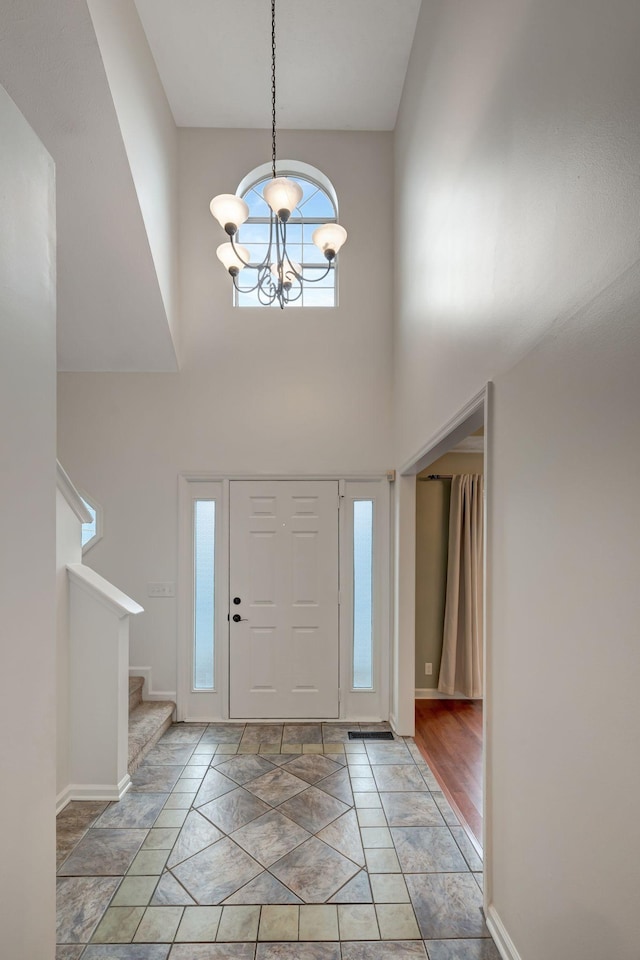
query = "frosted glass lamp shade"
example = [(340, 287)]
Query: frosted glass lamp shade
[(228, 256), (286, 271), (230, 211), (283, 196), (329, 238)]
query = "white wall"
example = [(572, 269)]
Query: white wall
[(517, 235), (516, 197), (27, 536), (259, 391), (564, 656), (149, 134)]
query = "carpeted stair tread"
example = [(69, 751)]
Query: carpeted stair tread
[(147, 722), (135, 692)]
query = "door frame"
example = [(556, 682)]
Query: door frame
[(354, 705), (477, 411)]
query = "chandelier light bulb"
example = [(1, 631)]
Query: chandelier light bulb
[(230, 211), (285, 272), (283, 196), (329, 238), (230, 259)]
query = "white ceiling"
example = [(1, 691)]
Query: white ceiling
[(341, 63)]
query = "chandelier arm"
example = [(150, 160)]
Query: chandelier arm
[(245, 289), (267, 296), (238, 255), (267, 289), (289, 298), (302, 277), (267, 259), (279, 259)]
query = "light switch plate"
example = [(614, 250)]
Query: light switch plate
[(166, 589)]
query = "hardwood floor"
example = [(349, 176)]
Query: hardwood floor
[(449, 735)]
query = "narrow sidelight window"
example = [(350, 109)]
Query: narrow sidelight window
[(204, 539), (362, 594)]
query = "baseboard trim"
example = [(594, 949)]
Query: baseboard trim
[(268, 720), (427, 693), (63, 799), (503, 941), (92, 791), (148, 692)]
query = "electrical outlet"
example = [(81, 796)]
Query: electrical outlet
[(428, 669), (167, 589)]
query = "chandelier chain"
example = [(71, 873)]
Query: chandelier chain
[(273, 88)]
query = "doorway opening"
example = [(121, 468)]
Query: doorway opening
[(449, 646), (449, 684)]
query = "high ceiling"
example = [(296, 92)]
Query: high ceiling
[(341, 63)]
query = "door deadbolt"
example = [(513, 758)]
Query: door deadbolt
[(237, 600)]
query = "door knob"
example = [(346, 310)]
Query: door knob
[(237, 618)]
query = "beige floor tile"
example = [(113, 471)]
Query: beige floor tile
[(376, 837), (195, 770), (187, 785), (118, 925), (246, 748), (177, 801), (358, 769), (172, 818), (207, 750), (199, 924), (158, 925), (239, 924), (148, 863), (362, 784), (397, 921), (187, 789), (295, 748), (269, 748), (365, 801), (357, 922), (278, 923), (353, 747), (134, 892), (312, 748), (161, 838), (382, 861), (318, 922), (371, 818), (388, 888)]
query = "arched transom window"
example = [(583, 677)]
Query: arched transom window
[(316, 207)]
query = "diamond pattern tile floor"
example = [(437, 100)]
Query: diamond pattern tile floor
[(271, 842)]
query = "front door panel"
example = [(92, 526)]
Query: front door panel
[(284, 571)]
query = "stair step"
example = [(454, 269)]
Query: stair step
[(135, 692), (147, 722)]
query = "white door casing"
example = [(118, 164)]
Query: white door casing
[(283, 566)]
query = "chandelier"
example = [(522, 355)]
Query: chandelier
[(278, 277)]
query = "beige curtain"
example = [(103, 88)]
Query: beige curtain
[(461, 666)]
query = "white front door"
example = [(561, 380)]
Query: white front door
[(283, 582)]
